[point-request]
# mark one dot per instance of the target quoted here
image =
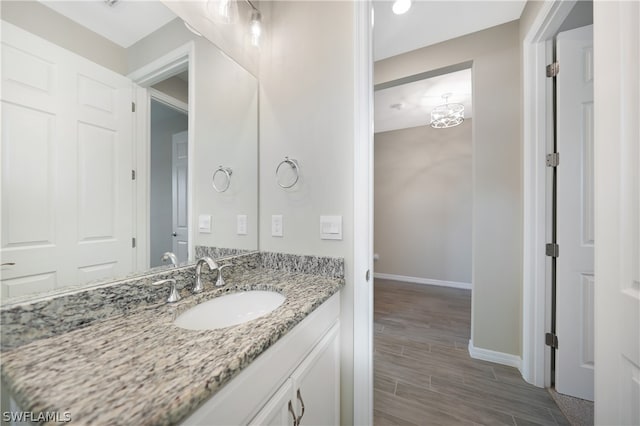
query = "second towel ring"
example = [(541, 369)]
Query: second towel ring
[(227, 172), (296, 170)]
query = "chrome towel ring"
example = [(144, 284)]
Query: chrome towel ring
[(294, 167), (227, 172)]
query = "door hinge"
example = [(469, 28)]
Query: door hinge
[(133, 107), (553, 159), (133, 175), (553, 69), (552, 250), (551, 339), (133, 243)]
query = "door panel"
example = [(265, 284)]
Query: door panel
[(575, 214), (67, 153), (27, 136), (97, 183), (317, 383), (180, 216)]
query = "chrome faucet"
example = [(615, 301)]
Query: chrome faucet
[(170, 256), (174, 296), (220, 281), (198, 287)]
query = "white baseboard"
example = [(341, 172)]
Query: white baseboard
[(416, 280), (493, 356)]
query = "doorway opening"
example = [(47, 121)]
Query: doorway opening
[(571, 224), (553, 248), (167, 86), (168, 171), (422, 237), (423, 180)]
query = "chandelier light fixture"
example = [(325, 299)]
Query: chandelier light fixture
[(447, 115)]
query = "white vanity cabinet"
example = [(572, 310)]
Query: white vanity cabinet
[(306, 359), (312, 393)]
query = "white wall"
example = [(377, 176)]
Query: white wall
[(233, 39), (423, 202), (165, 122), (225, 133), (307, 113), (497, 173)]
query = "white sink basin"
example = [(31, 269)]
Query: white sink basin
[(228, 310)]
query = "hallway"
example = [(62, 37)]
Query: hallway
[(423, 374)]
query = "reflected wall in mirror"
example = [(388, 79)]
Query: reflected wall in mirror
[(92, 190)]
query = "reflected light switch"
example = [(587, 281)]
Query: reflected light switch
[(331, 227), (242, 224), (204, 223), (276, 225)]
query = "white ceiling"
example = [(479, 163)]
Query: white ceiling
[(410, 104), (124, 23), (432, 21)]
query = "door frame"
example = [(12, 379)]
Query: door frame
[(143, 78), (537, 126), (362, 360)]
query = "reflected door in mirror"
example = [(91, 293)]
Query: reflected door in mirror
[(67, 160)]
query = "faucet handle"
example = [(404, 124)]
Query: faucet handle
[(220, 281), (174, 296), (170, 256)]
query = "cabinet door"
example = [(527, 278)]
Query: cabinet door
[(317, 383), (279, 410)]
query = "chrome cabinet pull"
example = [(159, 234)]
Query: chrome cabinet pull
[(302, 406), (293, 414)]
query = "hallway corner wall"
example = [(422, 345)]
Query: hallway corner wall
[(497, 173)]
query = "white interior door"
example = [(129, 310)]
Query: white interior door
[(617, 158), (66, 167), (180, 216), (575, 215)]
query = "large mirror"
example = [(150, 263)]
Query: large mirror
[(125, 135)]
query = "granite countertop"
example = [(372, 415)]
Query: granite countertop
[(139, 368)]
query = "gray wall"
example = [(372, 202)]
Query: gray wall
[(497, 173), (160, 42), (174, 87), (32, 16), (580, 16), (423, 202), (165, 122)]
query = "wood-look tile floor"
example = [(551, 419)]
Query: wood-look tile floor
[(423, 374)]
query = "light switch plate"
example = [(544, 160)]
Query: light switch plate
[(204, 223), (331, 227), (276, 225), (242, 224)]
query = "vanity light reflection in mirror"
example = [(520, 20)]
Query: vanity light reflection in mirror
[(104, 199)]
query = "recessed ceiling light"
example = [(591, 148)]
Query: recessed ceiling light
[(401, 6)]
